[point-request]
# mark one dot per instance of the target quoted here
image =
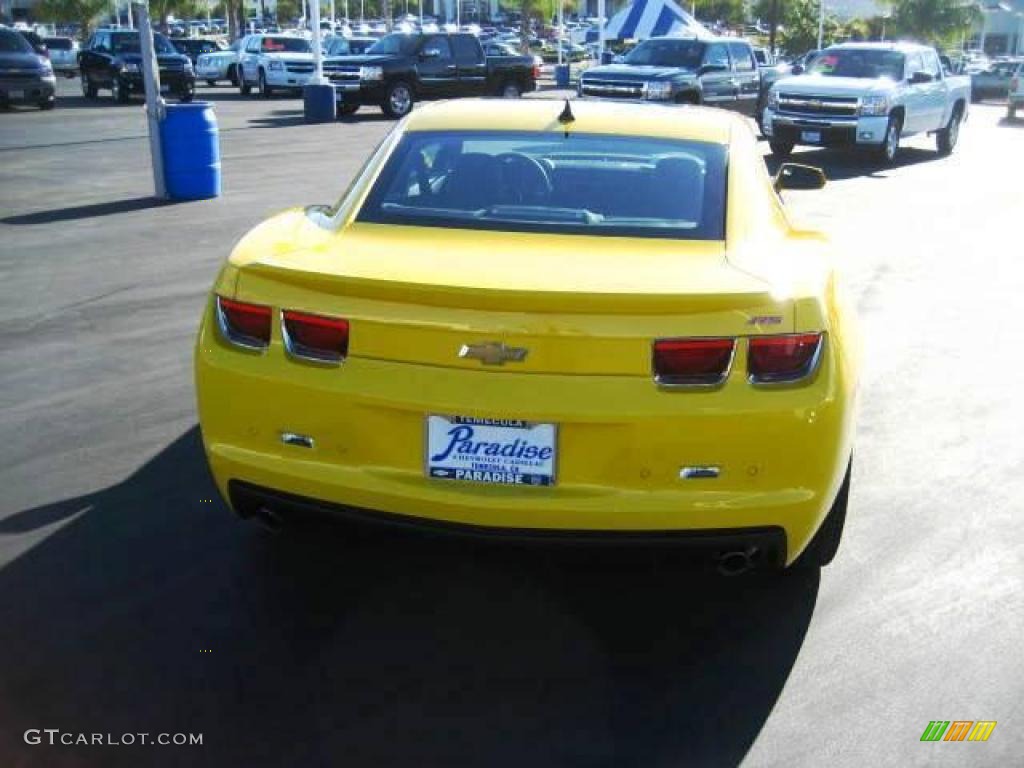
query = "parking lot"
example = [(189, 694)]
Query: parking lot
[(133, 601)]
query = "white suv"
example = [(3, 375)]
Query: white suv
[(1016, 96), (274, 62)]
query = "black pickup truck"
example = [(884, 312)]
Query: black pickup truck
[(720, 72), (400, 70)]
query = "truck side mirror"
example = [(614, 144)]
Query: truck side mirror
[(920, 78), (708, 68), (796, 176)]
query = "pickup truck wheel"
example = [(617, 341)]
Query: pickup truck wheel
[(945, 139), (823, 547), (510, 90), (398, 100), (118, 91), (265, 90), (890, 148), (186, 96), (781, 149), (88, 89), (243, 87), (233, 74)]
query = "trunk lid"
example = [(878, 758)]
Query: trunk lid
[(581, 305)]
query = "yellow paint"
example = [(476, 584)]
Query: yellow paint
[(587, 308)]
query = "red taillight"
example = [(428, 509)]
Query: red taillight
[(315, 337), (536, 72), (246, 325), (692, 362), (778, 359)]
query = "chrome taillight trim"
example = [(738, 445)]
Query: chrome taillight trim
[(297, 351), (234, 338), (693, 382), (782, 380)]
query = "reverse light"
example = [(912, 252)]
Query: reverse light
[(783, 359), (314, 337), (243, 324), (692, 362)]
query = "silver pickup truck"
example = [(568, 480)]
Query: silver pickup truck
[(867, 95)]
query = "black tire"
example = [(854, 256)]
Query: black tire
[(264, 90), (118, 92), (889, 149), (348, 109), (398, 100), (510, 90), (243, 87), (186, 96), (88, 89), (211, 83), (233, 74), (945, 139), (47, 104), (781, 149), (825, 544)]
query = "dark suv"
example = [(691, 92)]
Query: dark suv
[(25, 76), (112, 59)]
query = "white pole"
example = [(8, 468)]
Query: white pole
[(458, 14), (332, 16), (561, 28), (821, 23), (131, 21), (318, 64), (154, 104), (362, 16), (600, 30)]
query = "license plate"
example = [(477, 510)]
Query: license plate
[(811, 137), (16, 94), (493, 451)]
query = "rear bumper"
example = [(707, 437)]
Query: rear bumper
[(769, 542), (174, 81), (834, 132)]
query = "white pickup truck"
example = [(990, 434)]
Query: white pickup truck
[(867, 95)]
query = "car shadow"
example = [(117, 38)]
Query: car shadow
[(146, 607), (840, 165), (1016, 122), (92, 211)]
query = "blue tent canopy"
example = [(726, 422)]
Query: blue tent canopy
[(642, 19)]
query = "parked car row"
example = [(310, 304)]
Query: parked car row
[(26, 77)]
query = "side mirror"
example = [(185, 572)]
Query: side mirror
[(430, 53), (797, 69), (919, 78), (796, 176), (708, 68)]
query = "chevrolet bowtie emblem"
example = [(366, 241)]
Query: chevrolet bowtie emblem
[(493, 353)]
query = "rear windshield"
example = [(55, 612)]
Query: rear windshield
[(858, 63), (12, 42), (400, 44), (542, 182), (128, 42), (58, 43), (285, 45)]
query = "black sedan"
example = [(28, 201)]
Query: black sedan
[(112, 60), (25, 76)]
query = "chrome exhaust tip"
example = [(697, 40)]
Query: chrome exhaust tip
[(268, 519), (737, 561)]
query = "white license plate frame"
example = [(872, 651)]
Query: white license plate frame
[(470, 449)]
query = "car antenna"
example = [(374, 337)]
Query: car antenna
[(567, 117)]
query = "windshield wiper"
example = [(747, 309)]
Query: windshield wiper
[(528, 213)]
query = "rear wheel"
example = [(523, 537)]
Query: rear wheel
[(510, 90), (823, 547), (265, 90), (243, 87), (946, 139), (47, 104), (211, 83), (781, 149), (233, 74), (186, 96), (348, 109)]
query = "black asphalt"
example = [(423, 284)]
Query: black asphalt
[(132, 601)]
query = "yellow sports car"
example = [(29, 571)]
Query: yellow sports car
[(542, 320)]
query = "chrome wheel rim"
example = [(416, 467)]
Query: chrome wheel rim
[(510, 92), (892, 141), (400, 99), (954, 130)]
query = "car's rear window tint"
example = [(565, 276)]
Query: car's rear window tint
[(58, 43), (552, 182)]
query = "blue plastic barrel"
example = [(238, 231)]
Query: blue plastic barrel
[(191, 146), (318, 102), (561, 75)]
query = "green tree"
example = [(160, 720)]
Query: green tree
[(801, 26), (83, 12), (933, 21), (726, 11)]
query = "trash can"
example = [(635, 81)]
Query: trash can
[(318, 103), (561, 75), (191, 150)]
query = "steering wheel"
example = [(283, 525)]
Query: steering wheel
[(524, 178)]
